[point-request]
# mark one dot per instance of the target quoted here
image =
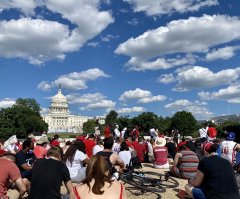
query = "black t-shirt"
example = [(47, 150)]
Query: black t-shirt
[(106, 156), (219, 181), (22, 158), (47, 178), (171, 149)]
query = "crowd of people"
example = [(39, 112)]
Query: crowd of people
[(87, 166)]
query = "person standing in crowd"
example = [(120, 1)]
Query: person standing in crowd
[(160, 154), (40, 150), (212, 133), (203, 132), (135, 133), (107, 131), (116, 145), (185, 163), (215, 178), (153, 133), (229, 148), (124, 154), (89, 144), (175, 135), (117, 132), (9, 173), (25, 159), (98, 183), (123, 133), (75, 159), (97, 131), (141, 149), (98, 147), (48, 175)]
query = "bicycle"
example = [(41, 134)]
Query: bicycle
[(148, 181)]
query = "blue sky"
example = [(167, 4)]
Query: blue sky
[(128, 55)]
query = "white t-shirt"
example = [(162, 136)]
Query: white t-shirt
[(227, 151), (122, 133), (116, 148), (150, 149), (125, 156), (96, 149), (76, 164), (153, 133), (203, 133), (117, 132)]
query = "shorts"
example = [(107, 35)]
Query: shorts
[(198, 193)]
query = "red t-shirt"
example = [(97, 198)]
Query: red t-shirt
[(89, 143), (107, 132), (212, 132), (160, 155), (40, 152), (8, 171), (55, 143), (141, 150)]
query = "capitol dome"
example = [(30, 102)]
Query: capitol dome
[(59, 97)]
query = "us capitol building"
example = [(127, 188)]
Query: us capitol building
[(60, 120)]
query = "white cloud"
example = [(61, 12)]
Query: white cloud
[(222, 53), (200, 77), (44, 111), (231, 94), (189, 36), (103, 104), (27, 7), (108, 38), (160, 7), (131, 110), (157, 98), (134, 94), (54, 39), (198, 109), (93, 44), (7, 102), (75, 80), (234, 101), (133, 22), (88, 98), (166, 78)]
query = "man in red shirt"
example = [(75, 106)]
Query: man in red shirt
[(212, 133), (141, 149), (9, 171), (107, 131), (40, 150), (89, 144)]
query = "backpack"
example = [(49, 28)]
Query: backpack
[(134, 163)]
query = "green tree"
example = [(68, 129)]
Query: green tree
[(184, 122), (21, 119), (111, 118), (88, 127), (124, 121), (30, 103)]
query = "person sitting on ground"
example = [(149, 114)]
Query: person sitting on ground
[(25, 159), (111, 158), (151, 145), (9, 173), (172, 149), (89, 143), (215, 178), (76, 159), (66, 146), (48, 175), (98, 147), (116, 145), (98, 183), (55, 141), (229, 148), (160, 154), (185, 163), (141, 149), (40, 150), (124, 154)]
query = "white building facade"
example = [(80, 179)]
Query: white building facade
[(60, 120)]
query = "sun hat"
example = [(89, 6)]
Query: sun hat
[(160, 141), (231, 136), (42, 140)]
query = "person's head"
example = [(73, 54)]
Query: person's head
[(90, 136), (140, 139), (97, 169), (27, 145), (55, 137), (124, 147), (55, 152), (211, 148), (118, 140), (43, 141), (100, 142), (9, 156), (70, 153), (183, 147), (152, 142), (231, 136), (108, 143)]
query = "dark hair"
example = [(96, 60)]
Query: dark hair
[(55, 137), (213, 148), (140, 139), (124, 147), (9, 156), (55, 151), (108, 143), (97, 168), (91, 136), (118, 139), (27, 143), (70, 153), (184, 146), (100, 142)]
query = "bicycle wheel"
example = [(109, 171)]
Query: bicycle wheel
[(164, 179), (140, 182)]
